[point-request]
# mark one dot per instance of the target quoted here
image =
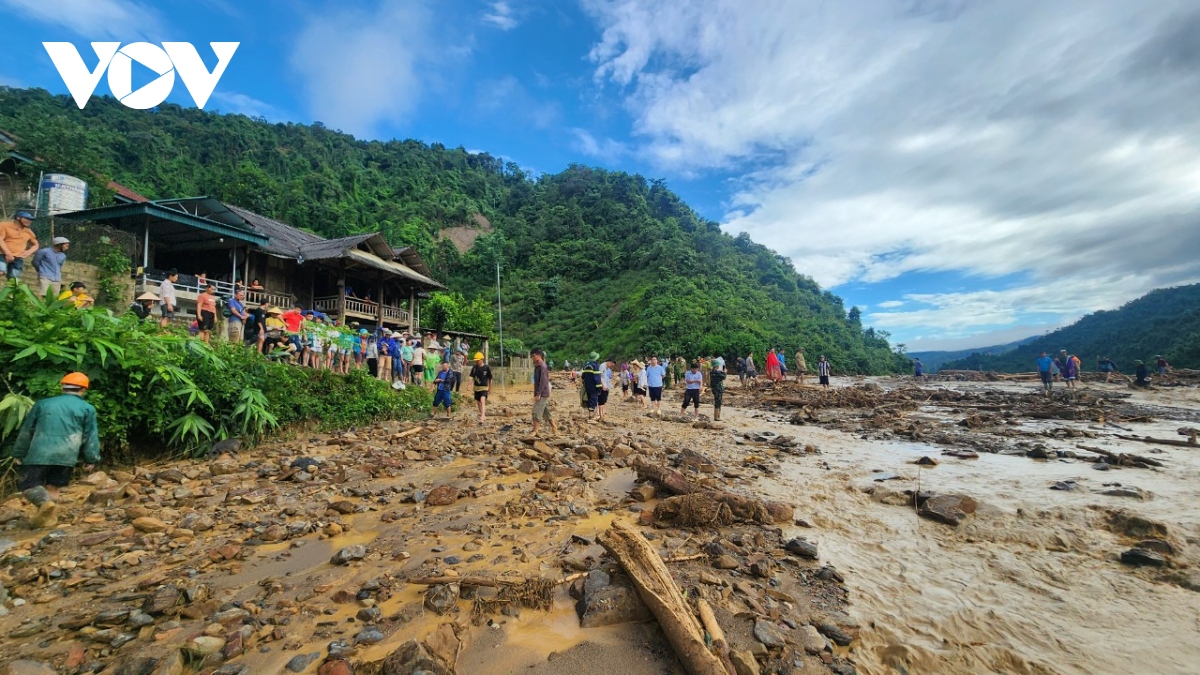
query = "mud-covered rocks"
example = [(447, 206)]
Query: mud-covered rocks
[(1142, 557), (609, 600), (349, 554), (802, 548), (951, 509), (442, 495)]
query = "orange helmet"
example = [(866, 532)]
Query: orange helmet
[(75, 380)]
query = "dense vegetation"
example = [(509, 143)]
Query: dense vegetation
[(934, 360), (160, 392), (1164, 321), (591, 259)]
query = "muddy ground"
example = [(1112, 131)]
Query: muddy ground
[(450, 546)]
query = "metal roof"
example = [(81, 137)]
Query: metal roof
[(284, 241), (172, 223)]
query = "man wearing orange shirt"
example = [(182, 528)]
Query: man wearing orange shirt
[(17, 242)]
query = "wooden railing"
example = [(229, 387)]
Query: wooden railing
[(190, 291), (364, 309)]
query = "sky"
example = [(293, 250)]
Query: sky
[(966, 172)]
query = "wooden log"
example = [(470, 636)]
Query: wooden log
[(1160, 441), (742, 508), (1118, 458), (660, 594), (715, 633)]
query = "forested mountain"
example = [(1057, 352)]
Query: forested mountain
[(591, 259), (1164, 321), (933, 360)]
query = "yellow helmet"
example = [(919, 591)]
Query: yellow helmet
[(478, 356)]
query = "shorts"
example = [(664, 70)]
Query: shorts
[(12, 269), (442, 396), (316, 346), (655, 393), (207, 320), (418, 368), (638, 391), (33, 475), (541, 410), (624, 389), (824, 379), (602, 397), (234, 329), (166, 313), (692, 395), (480, 395)]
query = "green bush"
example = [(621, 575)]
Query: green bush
[(158, 393)]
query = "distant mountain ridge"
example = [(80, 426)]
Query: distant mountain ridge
[(933, 360), (1165, 321)]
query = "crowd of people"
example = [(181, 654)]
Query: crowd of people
[(1066, 367)]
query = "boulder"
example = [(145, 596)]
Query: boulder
[(607, 601), (442, 495), (802, 547), (950, 509), (349, 554), (410, 658), (1143, 557)]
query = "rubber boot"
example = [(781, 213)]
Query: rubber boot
[(716, 414), (36, 495)]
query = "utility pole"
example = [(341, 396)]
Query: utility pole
[(500, 312)]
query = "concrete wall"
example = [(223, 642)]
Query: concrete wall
[(88, 274)]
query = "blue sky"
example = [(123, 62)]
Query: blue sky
[(968, 172)]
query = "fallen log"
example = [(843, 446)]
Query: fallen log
[(660, 594), (1119, 458), (466, 581), (1160, 441), (739, 507), (715, 633)]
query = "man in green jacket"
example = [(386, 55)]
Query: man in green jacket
[(52, 437)]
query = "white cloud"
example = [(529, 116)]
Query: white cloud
[(233, 102), (500, 15), (605, 149), (364, 68), (876, 139), (889, 304), (122, 20)]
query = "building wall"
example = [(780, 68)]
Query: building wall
[(88, 274)]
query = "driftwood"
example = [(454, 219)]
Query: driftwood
[(466, 581), (719, 643), (1120, 459), (1160, 441), (660, 594), (739, 507)]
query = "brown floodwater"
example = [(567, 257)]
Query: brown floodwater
[(1030, 584)]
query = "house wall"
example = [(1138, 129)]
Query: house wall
[(88, 274)]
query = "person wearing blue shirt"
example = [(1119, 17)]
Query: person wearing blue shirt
[(693, 387), (655, 374), (1045, 364), (443, 385), (48, 262), (237, 316)]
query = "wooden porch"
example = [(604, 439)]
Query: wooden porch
[(365, 310)]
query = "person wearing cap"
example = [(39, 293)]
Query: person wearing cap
[(143, 305), (274, 328), (18, 242), (168, 303), (591, 383), (78, 294), (481, 381), (716, 382), (1141, 375), (385, 345), (801, 365), (53, 436), (693, 387), (443, 385), (48, 263)]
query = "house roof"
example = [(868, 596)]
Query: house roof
[(334, 248), (124, 193), (409, 256), (369, 260), (171, 223), (284, 241)]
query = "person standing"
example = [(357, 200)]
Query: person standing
[(1067, 366), (693, 387), (640, 386), (751, 370), (1107, 366), (782, 363), (53, 436), (655, 374), (253, 331), (418, 364), (541, 392), (406, 359), (824, 371), (443, 387), (386, 345), (1161, 365), (458, 363), (481, 382), (168, 304), (1045, 366), (48, 263), (1141, 375), (206, 312), (801, 366), (237, 316), (591, 383), (774, 373), (918, 369), (716, 382), (17, 241), (741, 370), (606, 376)]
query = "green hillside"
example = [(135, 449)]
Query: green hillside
[(1164, 321), (934, 360), (592, 259)]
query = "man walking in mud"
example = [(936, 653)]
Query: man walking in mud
[(541, 392), (1045, 364)]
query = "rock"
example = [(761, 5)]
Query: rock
[(1037, 452), (343, 507), (442, 495), (1158, 545), (106, 495), (802, 547), (951, 509), (811, 640), (527, 466), (149, 524), (368, 636), (443, 644), (1132, 525), (442, 598), (607, 602), (196, 522), (368, 614), (349, 554), (335, 667), (274, 533), (587, 452), (1142, 556), (726, 562), (163, 599), (300, 662), (761, 566), (1130, 492), (768, 634), (204, 645), (839, 636), (27, 667), (410, 658), (233, 669), (744, 662), (560, 471), (144, 665), (642, 493), (927, 461), (27, 629), (1065, 486), (224, 467)]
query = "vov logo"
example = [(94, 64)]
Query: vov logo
[(167, 60)]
